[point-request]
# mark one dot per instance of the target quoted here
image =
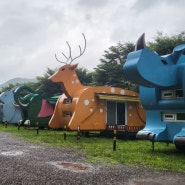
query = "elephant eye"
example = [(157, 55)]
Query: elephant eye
[(164, 61)]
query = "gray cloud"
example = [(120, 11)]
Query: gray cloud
[(93, 4), (142, 5), (31, 32)]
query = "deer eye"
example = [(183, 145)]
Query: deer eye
[(63, 69)]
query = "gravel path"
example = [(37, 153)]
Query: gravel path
[(27, 164)]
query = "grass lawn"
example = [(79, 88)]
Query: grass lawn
[(131, 152)]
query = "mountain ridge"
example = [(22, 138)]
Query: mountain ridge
[(16, 80)]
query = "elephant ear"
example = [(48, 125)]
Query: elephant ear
[(140, 44)]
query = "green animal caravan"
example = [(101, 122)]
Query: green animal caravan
[(34, 106)]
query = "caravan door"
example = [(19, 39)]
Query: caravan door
[(116, 113)]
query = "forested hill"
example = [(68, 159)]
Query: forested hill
[(15, 81)]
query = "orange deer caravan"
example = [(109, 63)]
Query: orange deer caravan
[(94, 108)]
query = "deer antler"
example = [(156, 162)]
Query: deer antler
[(65, 55), (70, 56), (81, 52)]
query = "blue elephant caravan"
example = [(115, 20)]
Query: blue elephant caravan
[(161, 81), (9, 110)]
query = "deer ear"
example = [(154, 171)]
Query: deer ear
[(74, 66)]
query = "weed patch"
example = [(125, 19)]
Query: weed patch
[(131, 152)]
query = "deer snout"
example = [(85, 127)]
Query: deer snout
[(53, 78)]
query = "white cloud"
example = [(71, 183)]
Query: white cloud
[(31, 32)]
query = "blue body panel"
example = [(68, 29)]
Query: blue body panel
[(9, 111), (162, 92)]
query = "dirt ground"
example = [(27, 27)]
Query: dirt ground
[(24, 163)]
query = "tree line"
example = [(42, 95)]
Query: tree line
[(110, 70)]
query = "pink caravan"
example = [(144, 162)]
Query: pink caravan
[(93, 108)]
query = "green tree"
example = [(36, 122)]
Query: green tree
[(110, 71), (85, 77), (9, 87), (46, 87), (163, 44)]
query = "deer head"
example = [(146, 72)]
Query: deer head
[(66, 74)]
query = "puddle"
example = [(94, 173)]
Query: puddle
[(12, 153), (75, 167)]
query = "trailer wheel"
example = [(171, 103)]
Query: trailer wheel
[(180, 147)]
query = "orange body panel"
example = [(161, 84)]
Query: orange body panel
[(136, 116), (79, 106)]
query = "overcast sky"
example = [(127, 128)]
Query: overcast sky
[(32, 31)]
